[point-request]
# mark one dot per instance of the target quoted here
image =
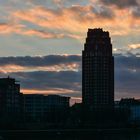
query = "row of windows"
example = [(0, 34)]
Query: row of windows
[(97, 58), (98, 54)]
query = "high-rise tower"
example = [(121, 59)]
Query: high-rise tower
[(98, 71)]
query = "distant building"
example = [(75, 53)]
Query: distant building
[(98, 71), (39, 108), (133, 105), (135, 113), (10, 100)]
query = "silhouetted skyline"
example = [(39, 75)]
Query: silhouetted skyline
[(97, 110), (53, 39)]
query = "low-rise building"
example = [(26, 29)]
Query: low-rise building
[(47, 108), (133, 105)]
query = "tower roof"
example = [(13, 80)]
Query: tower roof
[(98, 41)]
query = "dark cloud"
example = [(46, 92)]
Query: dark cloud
[(40, 61), (127, 83), (46, 80), (127, 74), (54, 3), (83, 12), (136, 12), (120, 3), (104, 12), (107, 13), (48, 3), (127, 62)]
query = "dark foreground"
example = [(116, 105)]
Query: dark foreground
[(75, 134)]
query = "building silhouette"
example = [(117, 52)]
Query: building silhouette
[(97, 71), (132, 106), (97, 110), (18, 109), (45, 108), (10, 100)]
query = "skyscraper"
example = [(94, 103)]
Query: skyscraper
[(98, 71)]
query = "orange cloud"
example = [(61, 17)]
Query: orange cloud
[(76, 19), (134, 46), (10, 68), (74, 100), (49, 91), (7, 28), (73, 19), (72, 22), (44, 34)]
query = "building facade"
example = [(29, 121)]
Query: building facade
[(10, 99), (44, 108), (97, 71), (133, 106)]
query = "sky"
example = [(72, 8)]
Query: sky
[(41, 43)]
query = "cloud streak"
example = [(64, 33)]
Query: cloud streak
[(72, 21), (6, 28), (67, 79), (48, 60), (134, 46), (120, 3), (44, 63), (66, 19)]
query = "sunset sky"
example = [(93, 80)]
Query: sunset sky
[(41, 43)]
